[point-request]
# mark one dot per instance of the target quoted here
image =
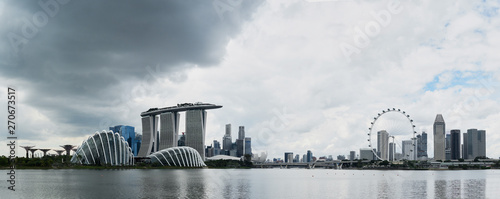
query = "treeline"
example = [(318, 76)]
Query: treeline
[(44, 162)]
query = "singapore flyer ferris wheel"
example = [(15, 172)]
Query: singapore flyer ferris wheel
[(396, 125)]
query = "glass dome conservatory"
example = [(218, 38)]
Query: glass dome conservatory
[(105, 148), (178, 156)]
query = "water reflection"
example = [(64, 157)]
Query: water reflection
[(415, 189), (255, 183), (460, 188), (440, 189), (475, 188)]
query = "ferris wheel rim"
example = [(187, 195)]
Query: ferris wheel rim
[(380, 115)]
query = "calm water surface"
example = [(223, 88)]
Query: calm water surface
[(252, 183)]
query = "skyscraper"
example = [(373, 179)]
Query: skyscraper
[(288, 157), (408, 147), (309, 156), (248, 145), (455, 144), (195, 130), (128, 133), (227, 141), (481, 143), (149, 136), (422, 145), (240, 147), (439, 139), (240, 142), (392, 151), (474, 143), (169, 130), (241, 133), (447, 148), (383, 144), (216, 148), (465, 154)]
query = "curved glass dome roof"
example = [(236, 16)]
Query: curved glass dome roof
[(105, 148), (178, 156)]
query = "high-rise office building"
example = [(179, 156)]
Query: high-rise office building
[(248, 145), (309, 156), (240, 147), (408, 150), (481, 143), (195, 130), (447, 148), (138, 141), (217, 148), (240, 142), (439, 138), (352, 155), (392, 151), (209, 151), (241, 133), (383, 144), (288, 157), (366, 154), (422, 145), (304, 158), (455, 144), (474, 144), (297, 158), (228, 130), (465, 154), (227, 141), (128, 133)]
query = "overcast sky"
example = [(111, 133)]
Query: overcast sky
[(298, 74)]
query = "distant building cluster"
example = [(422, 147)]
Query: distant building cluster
[(451, 147), (446, 146), (242, 145), (307, 157)]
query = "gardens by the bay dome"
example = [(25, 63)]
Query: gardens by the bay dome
[(104, 148), (177, 156)]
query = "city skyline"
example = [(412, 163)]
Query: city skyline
[(299, 75)]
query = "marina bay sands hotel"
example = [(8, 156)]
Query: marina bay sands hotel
[(154, 140)]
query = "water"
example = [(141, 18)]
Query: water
[(252, 183)]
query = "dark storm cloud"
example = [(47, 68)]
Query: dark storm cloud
[(82, 49)]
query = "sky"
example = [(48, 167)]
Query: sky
[(298, 74)]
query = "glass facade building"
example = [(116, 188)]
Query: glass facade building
[(105, 148), (128, 133), (422, 145), (248, 145), (178, 157)]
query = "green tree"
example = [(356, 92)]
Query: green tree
[(4, 161), (384, 163)]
